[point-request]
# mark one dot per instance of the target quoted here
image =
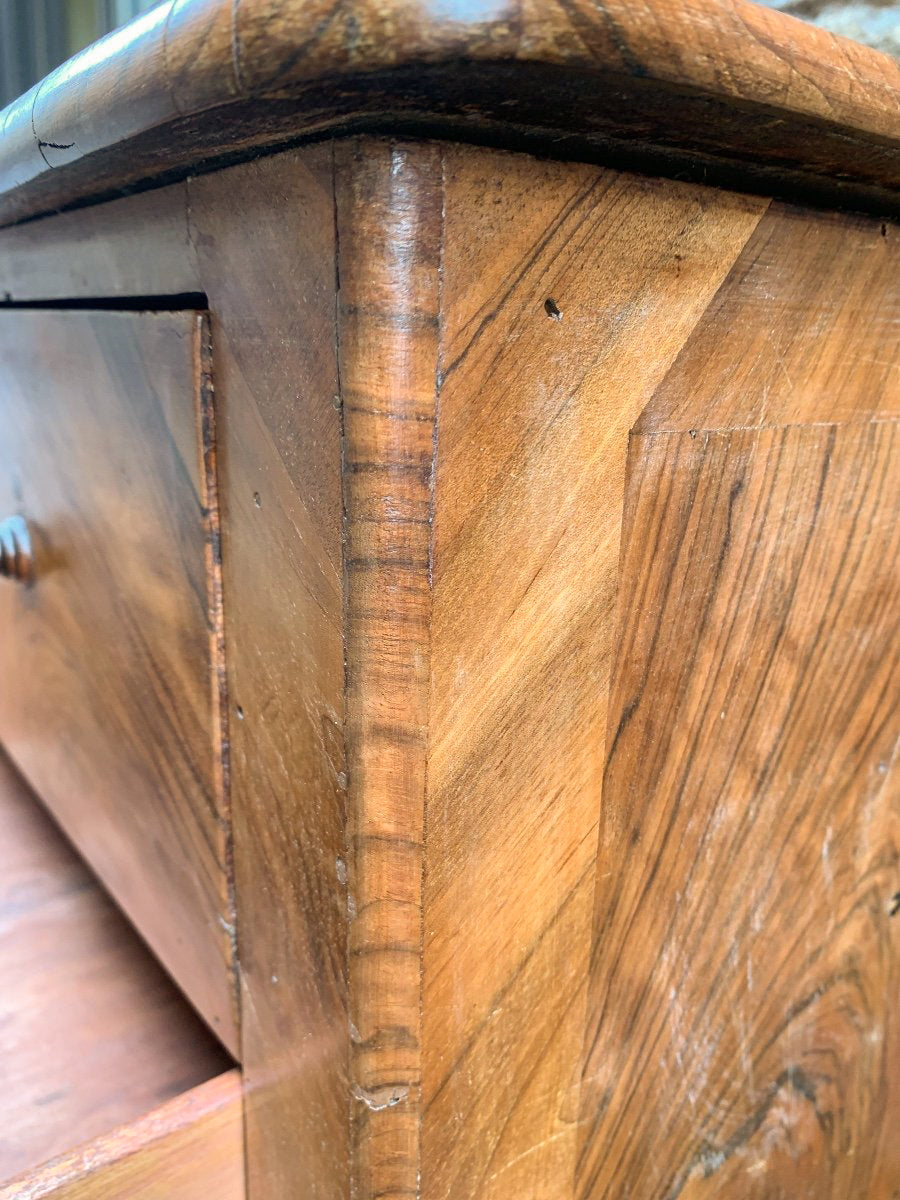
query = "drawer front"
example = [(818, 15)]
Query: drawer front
[(109, 643)]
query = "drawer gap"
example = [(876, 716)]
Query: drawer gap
[(180, 302), (93, 1035)]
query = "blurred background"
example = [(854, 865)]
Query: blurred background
[(876, 22), (37, 35)]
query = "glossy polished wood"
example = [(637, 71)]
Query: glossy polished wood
[(111, 658), (92, 1033), (188, 1149), (701, 84), (389, 221)]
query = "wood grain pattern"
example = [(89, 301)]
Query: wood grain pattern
[(805, 327), (92, 1033), (111, 705), (133, 247), (389, 214), (464, 338), (188, 1149), (749, 851), (701, 82), (535, 406), (263, 247), (259, 241)]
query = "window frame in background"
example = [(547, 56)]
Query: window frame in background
[(37, 35)]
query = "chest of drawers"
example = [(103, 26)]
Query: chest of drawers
[(457, 456)]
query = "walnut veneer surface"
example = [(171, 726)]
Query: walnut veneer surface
[(559, 573), (429, 943), (111, 655)]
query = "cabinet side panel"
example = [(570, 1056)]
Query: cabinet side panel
[(744, 951), (258, 239), (389, 222), (263, 235), (567, 292)]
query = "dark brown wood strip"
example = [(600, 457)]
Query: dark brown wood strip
[(389, 213)]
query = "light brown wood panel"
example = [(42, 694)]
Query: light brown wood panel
[(132, 247), (188, 1149), (263, 238), (743, 1039), (92, 1033), (804, 329), (555, 279), (110, 658), (389, 213)]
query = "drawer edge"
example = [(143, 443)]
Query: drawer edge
[(187, 1149)]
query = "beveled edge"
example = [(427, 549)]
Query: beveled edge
[(203, 1125), (700, 84)]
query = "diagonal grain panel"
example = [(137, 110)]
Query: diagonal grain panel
[(388, 203), (568, 291), (805, 328), (742, 1038), (742, 949)]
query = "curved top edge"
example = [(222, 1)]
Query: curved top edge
[(193, 79)]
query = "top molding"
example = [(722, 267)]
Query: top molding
[(723, 89)]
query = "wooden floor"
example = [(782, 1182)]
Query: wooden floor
[(92, 1033)]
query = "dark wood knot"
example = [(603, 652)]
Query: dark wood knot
[(16, 561)]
